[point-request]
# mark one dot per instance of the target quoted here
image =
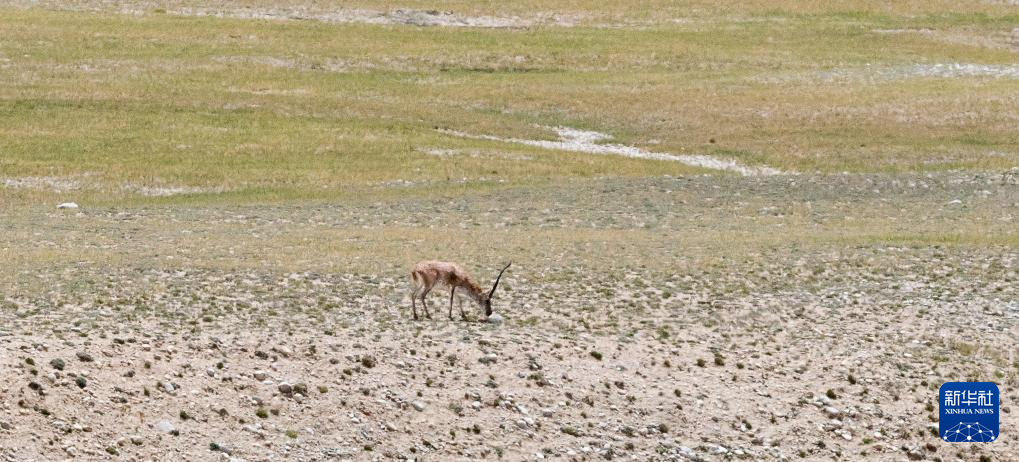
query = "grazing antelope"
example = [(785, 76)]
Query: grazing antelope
[(427, 274)]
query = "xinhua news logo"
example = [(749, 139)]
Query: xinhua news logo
[(969, 412)]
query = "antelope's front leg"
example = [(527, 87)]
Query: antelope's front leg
[(452, 292)]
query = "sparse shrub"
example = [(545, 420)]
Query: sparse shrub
[(596, 355), (571, 431)]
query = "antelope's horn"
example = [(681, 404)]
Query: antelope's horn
[(497, 279)]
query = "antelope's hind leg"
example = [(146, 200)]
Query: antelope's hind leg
[(424, 294)]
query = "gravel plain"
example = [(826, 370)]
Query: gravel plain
[(707, 323)]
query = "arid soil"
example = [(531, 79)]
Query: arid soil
[(677, 329)]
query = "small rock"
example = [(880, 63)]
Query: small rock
[(165, 426), (689, 453), (915, 453), (256, 429), (494, 318), (67, 205), (216, 447), (166, 386), (285, 388), (84, 357), (418, 405), (261, 375)]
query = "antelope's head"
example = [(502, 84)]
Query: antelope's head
[(486, 300)]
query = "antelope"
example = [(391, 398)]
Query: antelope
[(427, 274)]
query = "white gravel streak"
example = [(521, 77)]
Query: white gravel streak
[(165, 191), (45, 183), (964, 70), (408, 17), (911, 71), (574, 140)]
